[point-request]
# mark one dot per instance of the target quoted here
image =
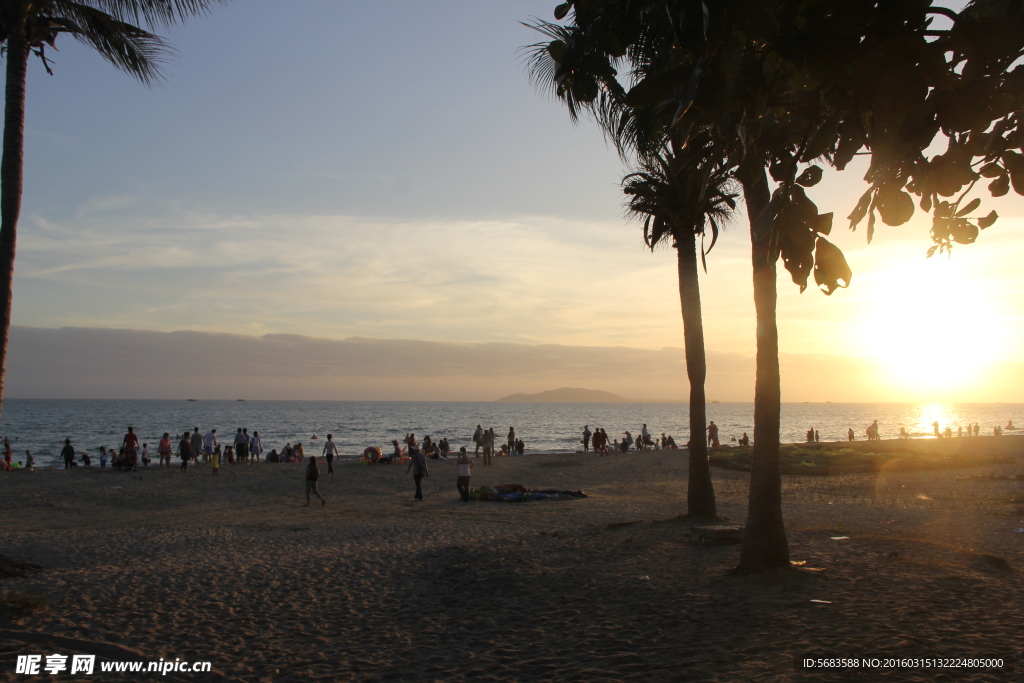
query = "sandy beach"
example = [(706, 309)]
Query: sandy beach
[(235, 570)]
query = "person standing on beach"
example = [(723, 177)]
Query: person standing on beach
[(312, 474), (209, 443), (586, 438), (849, 434), (215, 460), (241, 448), (487, 441), (478, 437), (130, 444), (465, 469), (511, 440), (68, 453), (163, 449), (185, 451), (330, 450), (713, 435), (418, 465), (255, 448), (196, 442)]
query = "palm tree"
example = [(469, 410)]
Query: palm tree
[(681, 195), (27, 27)]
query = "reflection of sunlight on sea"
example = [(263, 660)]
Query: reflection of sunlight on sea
[(946, 414)]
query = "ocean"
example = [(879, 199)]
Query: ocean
[(41, 425)]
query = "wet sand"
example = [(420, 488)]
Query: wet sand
[(236, 570)]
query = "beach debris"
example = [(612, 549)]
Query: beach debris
[(822, 602), (839, 538), (801, 563), (644, 578), (717, 534), (1018, 531)]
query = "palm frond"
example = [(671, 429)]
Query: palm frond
[(131, 49), (153, 13)]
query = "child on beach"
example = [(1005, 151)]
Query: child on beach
[(103, 456), (145, 455), (255, 447), (312, 474), (215, 460)]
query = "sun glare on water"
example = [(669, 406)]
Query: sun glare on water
[(931, 331)]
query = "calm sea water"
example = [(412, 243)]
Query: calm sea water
[(42, 424)]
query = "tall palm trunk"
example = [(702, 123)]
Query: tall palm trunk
[(764, 539), (10, 185), (700, 495)]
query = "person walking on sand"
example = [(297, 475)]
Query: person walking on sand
[(68, 453), (185, 451), (255, 448), (312, 474), (478, 437), (330, 450), (465, 468), (586, 438), (418, 465)]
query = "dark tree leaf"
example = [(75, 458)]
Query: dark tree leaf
[(926, 203), (991, 170), (894, 205), (1017, 180), (963, 231), (556, 48), (860, 210), (1000, 186), (971, 206), (931, 251), (796, 244), (561, 11), (822, 224), (830, 267), (987, 220), (810, 177), (823, 139)]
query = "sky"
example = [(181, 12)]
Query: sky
[(384, 172)]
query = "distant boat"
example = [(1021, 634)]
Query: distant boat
[(714, 401), (239, 399), (193, 399)]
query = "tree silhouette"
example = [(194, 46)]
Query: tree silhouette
[(783, 84), (28, 27)]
